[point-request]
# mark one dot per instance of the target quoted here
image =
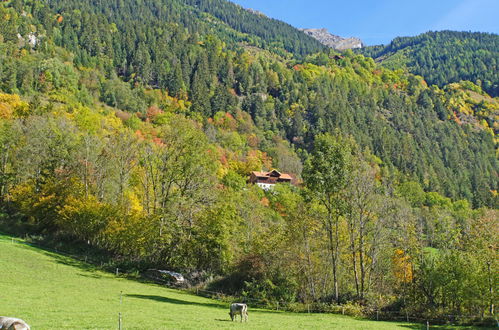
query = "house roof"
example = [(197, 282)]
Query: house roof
[(262, 174), (267, 174)]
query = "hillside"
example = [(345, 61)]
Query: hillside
[(131, 128), (36, 280), (445, 57), (273, 32), (216, 75), (201, 17)]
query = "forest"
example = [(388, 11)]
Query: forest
[(444, 57), (131, 127)]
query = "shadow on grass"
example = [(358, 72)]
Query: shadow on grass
[(411, 326), (442, 327), (57, 256), (173, 300), (67, 260), (220, 320), (90, 275), (62, 252)]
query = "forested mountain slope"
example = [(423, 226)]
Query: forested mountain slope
[(445, 57), (131, 127), (202, 17), (403, 122), (273, 32)]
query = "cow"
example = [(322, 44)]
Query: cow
[(239, 308), (12, 323)]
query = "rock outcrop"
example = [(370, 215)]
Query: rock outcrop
[(333, 41), (256, 12)]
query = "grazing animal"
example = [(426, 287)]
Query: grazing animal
[(239, 309), (12, 323)]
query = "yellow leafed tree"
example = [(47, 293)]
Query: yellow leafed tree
[(402, 266), (11, 105)]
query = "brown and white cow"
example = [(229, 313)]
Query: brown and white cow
[(12, 323), (239, 309)]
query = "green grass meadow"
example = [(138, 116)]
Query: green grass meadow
[(51, 291)]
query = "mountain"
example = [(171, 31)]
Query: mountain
[(129, 129), (209, 66), (271, 32), (333, 41), (445, 57)]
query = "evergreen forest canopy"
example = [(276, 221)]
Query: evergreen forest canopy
[(272, 32), (133, 126), (444, 57)]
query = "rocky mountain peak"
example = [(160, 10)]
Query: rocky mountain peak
[(333, 41)]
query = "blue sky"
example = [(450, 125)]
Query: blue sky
[(379, 21)]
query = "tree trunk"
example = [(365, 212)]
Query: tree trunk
[(3, 185), (362, 267), (309, 265), (335, 260), (333, 246), (354, 257), (491, 291)]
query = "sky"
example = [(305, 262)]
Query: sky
[(379, 21)]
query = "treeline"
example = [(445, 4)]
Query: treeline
[(445, 57)]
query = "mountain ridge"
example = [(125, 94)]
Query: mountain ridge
[(444, 57), (333, 41)]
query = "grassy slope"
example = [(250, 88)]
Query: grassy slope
[(51, 291)]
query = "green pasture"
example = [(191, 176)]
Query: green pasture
[(51, 291)]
